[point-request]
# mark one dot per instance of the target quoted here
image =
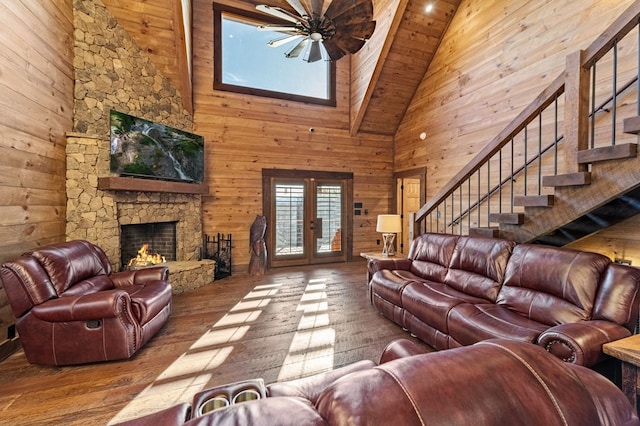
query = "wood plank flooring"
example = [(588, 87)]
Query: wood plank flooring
[(289, 323)]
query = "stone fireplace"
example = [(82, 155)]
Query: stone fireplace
[(97, 211)]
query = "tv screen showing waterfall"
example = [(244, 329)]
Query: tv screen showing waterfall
[(145, 149)]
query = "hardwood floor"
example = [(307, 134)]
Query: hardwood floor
[(286, 324)]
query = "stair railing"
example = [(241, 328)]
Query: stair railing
[(474, 197)]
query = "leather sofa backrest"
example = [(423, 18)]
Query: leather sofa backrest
[(71, 262), (478, 266), (26, 284), (617, 298), (431, 255), (552, 285)]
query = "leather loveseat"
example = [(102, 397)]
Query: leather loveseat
[(455, 291), (71, 309), (492, 383)]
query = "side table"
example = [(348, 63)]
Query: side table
[(627, 350), (377, 256)]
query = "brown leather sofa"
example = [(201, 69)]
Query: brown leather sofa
[(71, 309), (495, 382), (455, 291)]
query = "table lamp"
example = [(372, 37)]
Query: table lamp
[(389, 225)]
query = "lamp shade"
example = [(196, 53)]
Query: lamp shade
[(389, 223)]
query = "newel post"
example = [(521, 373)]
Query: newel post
[(576, 114)]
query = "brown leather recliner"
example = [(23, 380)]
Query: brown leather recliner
[(71, 309)]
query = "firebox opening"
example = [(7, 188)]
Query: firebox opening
[(160, 237)]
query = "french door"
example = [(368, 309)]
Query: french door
[(307, 221)]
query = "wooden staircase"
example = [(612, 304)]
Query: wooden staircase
[(585, 204), (595, 180)]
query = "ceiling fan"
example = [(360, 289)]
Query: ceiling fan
[(341, 29)]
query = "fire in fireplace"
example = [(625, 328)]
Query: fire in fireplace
[(145, 258), (145, 243)]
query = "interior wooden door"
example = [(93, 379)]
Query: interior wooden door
[(410, 203)]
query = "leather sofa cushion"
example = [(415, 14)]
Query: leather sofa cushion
[(90, 286), (552, 285), (431, 302), (431, 255), (148, 299), (478, 266), (469, 324), (390, 284), (71, 262)]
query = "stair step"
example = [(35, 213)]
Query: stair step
[(631, 125), (533, 200), (489, 232), (569, 179), (613, 152), (509, 218)]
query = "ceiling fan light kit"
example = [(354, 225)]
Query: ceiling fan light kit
[(341, 30)]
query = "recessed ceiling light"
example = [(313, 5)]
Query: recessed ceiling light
[(429, 8)]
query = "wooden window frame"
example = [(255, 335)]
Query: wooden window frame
[(218, 10)]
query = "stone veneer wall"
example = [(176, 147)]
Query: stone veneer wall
[(96, 215), (112, 72)]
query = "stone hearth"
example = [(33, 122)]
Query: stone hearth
[(96, 215)]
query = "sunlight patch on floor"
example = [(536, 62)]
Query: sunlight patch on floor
[(312, 347), (191, 372)]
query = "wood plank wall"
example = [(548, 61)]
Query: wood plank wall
[(496, 56), (245, 134), (36, 110)]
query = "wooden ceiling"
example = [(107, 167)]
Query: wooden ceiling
[(385, 74)]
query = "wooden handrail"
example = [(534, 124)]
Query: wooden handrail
[(540, 103)]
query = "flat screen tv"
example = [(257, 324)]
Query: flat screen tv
[(141, 148)]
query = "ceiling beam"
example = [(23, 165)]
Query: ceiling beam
[(357, 114)]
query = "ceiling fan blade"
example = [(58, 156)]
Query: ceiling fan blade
[(347, 44), (316, 7), (333, 51), (284, 40), (340, 7), (350, 18), (278, 28), (314, 52), (298, 7), (297, 49), (278, 13), (361, 31)]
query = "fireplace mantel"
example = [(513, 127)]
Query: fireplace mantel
[(118, 183)]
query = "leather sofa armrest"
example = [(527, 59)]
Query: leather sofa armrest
[(400, 348), (140, 276), (311, 387), (104, 304), (581, 342), (376, 265)]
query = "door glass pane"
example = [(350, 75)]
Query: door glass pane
[(329, 211), (289, 223)]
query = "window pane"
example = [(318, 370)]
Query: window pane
[(248, 61), (329, 210), (289, 219)]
